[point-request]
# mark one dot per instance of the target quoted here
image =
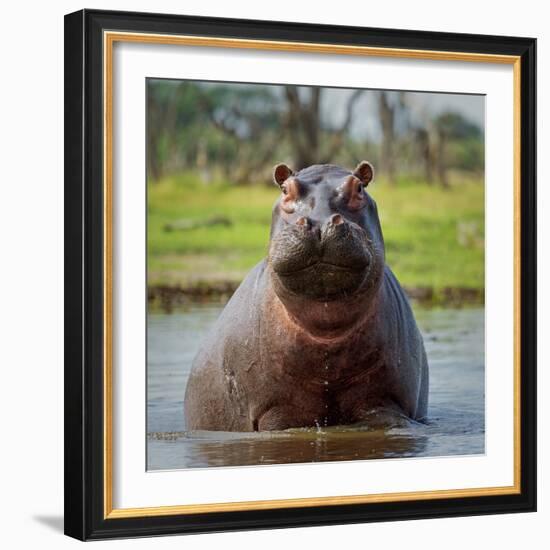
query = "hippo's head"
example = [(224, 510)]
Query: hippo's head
[(326, 242)]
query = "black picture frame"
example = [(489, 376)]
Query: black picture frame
[(84, 276)]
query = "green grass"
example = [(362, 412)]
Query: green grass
[(434, 237)]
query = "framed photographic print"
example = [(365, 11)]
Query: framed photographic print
[(300, 274)]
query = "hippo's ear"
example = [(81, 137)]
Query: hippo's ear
[(364, 171), (281, 173)]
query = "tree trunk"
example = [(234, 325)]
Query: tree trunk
[(153, 165), (441, 160), (425, 151), (387, 117), (303, 126)]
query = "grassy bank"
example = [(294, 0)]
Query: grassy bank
[(434, 237)]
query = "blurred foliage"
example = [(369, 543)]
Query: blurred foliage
[(237, 132)]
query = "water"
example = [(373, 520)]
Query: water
[(454, 342)]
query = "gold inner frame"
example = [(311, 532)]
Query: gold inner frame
[(109, 39)]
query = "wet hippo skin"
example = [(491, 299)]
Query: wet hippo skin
[(319, 333)]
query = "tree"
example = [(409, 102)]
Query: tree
[(171, 105), (424, 146), (387, 121), (249, 117), (305, 128), (451, 126)]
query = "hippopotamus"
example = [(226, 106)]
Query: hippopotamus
[(320, 333)]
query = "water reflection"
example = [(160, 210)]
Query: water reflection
[(455, 345)]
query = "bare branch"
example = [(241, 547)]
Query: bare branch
[(338, 135), (349, 109)]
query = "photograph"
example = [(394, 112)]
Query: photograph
[(315, 274), (300, 274), (271, 275)]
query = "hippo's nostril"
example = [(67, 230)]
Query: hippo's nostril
[(336, 219), (303, 221)]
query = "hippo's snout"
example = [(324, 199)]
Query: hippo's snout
[(307, 242), (335, 225), (321, 260), (334, 220)]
